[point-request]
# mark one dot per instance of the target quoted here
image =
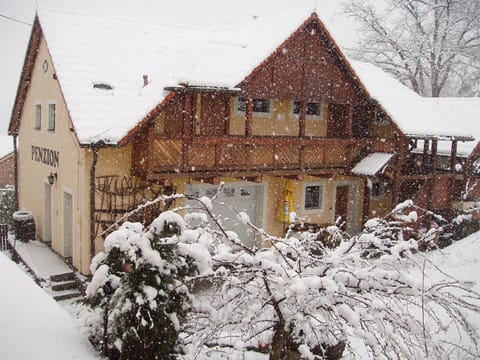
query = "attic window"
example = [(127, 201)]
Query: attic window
[(102, 86), (260, 106), (313, 109)]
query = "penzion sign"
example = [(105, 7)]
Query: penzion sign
[(46, 156)]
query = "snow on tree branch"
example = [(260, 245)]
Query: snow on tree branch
[(433, 46)]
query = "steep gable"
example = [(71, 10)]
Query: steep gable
[(308, 65), (25, 77)]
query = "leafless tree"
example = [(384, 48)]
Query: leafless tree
[(432, 46)]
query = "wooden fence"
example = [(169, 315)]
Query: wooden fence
[(4, 244)]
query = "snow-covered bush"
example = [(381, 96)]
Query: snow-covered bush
[(138, 297), (300, 298)]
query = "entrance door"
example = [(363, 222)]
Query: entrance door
[(233, 197), (67, 225), (341, 205), (47, 213)]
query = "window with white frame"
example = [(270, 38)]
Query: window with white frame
[(260, 106), (51, 117), (378, 189), (313, 110), (37, 117), (313, 196)]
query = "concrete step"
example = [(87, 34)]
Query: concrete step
[(62, 277), (66, 295), (64, 285)]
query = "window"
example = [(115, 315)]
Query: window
[(261, 106), (51, 117), (314, 109), (313, 197), (229, 192), (378, 189), (38, 117), (379, 118)]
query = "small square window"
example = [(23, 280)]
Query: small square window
[(244, 192), (313, 197), (229, 192), (210, 193), (51, 117), (380, 118), (378, 189), (241, 104), (261, 105), (38, 117)]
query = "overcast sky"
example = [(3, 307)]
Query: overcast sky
[(14, 35)]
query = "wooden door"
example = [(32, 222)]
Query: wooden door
[(341, 205), (214, 114), (67, 225)]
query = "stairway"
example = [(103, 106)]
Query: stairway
[(64, 286)]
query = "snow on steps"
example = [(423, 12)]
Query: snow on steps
[(64, 286)]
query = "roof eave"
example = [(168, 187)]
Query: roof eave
[(25, 76)]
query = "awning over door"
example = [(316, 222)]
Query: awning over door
[(373, 164)]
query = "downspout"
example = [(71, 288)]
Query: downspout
[(15, 169), (94, 147)]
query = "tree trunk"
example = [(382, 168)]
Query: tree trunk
[(279, 342)]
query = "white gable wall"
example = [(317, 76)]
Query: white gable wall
[(43, 152)]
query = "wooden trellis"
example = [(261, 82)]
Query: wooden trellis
[(116, 196)]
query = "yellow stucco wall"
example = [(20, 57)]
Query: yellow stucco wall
[(281, 121), (69, 170), (273, 199)]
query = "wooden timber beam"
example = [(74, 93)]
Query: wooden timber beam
[(302, 117), (401, 150), (154, 176), (249, 118), (453, 157)]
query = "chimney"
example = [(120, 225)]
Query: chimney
[(145, 80)]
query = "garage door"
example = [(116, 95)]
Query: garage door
[(232, 198)]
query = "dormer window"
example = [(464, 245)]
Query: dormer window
[(313, 109), (102, 86), (260, 106)]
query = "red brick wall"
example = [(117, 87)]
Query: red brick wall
[(6, 171)]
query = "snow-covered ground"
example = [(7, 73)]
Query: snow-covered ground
[(33, 325)]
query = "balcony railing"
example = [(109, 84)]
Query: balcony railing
[(244, 154)]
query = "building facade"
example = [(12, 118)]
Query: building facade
[(300, 133)]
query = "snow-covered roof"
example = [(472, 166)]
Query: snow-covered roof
[(212, 45), (420, 116), (90, 50), (372, 164)]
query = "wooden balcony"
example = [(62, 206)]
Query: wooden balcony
[(161, 156)]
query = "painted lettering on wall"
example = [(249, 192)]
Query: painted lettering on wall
[(46, 156)]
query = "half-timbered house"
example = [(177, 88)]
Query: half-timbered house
[(111, 113)]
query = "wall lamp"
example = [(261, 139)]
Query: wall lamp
[(52, 177)]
